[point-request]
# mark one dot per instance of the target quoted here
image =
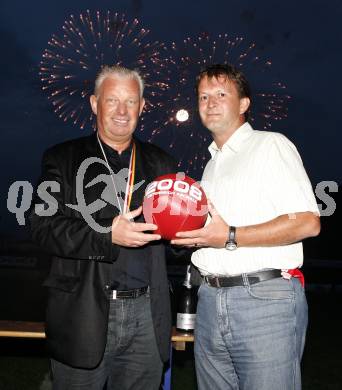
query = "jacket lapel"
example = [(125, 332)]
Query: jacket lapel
[(97, 184)]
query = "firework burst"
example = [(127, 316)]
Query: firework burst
[(83, 46), (188, 138), (87, 42)]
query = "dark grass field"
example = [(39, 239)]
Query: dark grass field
[(24, 363)]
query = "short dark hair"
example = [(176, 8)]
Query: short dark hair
[(232, 73)]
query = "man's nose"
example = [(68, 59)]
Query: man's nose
[(122, 108), (212, 101)]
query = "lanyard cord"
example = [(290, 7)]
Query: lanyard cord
[(130, 179)]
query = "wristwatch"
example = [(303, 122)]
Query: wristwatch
[(231, 244)]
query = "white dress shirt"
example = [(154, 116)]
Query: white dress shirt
[(256, 176)]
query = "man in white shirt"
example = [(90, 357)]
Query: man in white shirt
[(251, 321)]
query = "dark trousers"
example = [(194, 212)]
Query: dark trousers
[(131, 360)]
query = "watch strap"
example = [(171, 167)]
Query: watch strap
[(232, 234)]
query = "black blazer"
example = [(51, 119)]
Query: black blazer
[(78, 304)]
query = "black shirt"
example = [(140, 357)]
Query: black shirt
[(130, 269)]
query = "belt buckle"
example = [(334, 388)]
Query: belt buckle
[(217, 282), (212, 281)]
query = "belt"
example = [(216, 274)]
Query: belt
[(129, 294), (233, 281)]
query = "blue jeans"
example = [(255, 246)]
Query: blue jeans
[(250, 337), (131, 360)]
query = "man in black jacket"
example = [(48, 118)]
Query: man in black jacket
[(108, 313)]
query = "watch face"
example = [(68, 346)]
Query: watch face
[(230, 245)]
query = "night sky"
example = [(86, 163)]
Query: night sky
[(303, 40)]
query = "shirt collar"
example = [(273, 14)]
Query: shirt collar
[(235, 141), (114, 153)]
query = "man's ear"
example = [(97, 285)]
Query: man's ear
[(142, 104), (244, 105), (93, 103)]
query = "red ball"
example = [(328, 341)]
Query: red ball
[(175, 203)]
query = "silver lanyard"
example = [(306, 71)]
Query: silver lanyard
[(112, 178)]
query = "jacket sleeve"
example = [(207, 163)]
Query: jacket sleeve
[(65, 233)]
